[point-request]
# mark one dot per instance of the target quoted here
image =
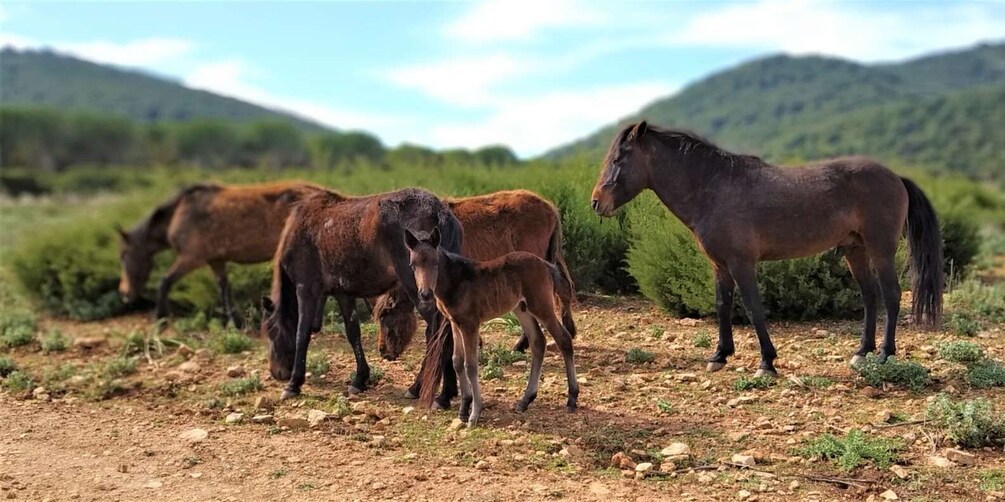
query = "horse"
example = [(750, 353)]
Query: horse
[(470, 292), (494, 224), (742, 210), (350, 247), (207, 224)]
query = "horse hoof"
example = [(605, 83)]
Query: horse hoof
[(520, 407), (570, 408), (353, 390), (289, 394), (410, 395), (714, 366), (857, 360), (766, 373), (438, 406), (472, 424)]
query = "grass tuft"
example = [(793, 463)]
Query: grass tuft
[(749, 383), (18, 381), (54, 342), (969, 424), (229, 341), (853, 450), (7, 366), (908, 374), (638, 356), (241, 386)]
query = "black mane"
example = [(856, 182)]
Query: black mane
[(688, 142)]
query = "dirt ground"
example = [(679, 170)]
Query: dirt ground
[(131, 443)]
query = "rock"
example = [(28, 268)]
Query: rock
[(667, 467), (234, 418), (689, 322), (264, 403), (644, 467), (582, 380), (569, 451), (733, 403), (235, 371), (88, 343), (294, 424), (900, 471), (743, 494), (889, 495), (316, 417), (455, 424), (940, 461), (744, 460), (622, 461), (883, 416), (793, 486), (408, 409), (153, 484), (185, 351), (189, 367), (676, 449), (960, 456), (705, 478), (738, 436), (367, 408), (263, 419), (204, 354), (870, 392), (194, 435), (482, 465), (687, 377), (40, 394)]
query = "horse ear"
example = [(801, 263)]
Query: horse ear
[(267, 306), (122, 233), (434, 238), (638, 130), (410, 240)]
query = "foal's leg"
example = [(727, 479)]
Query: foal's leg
[(564, 341), (220, 271), (416, 388), (182, 265), (886, 271), (746, 280), (347, 306), (470, 338), (858, 263), (724, 288), (536, 341), (307, 303), (464, 410)]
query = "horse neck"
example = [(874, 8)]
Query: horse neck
[(450, 271), (684, 181)]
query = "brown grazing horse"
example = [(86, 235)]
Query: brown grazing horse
[(349, 248), (494, 224), (742, 210), (470, 293), (207, 225)]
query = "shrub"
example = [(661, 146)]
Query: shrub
[(703, 340), (317, 364), (17, 328), (376, 375), (985, 374), (18, 381), (969, 424), (978, 301), (499, 355), (241, 386), (55, 342), (853, 450), (7, 366), (963, 324), (750, 383), (229, 341), (907, 374), (992, 480), (961, 241), (961, 352), (120, 367), (639, 356), (492, 372)]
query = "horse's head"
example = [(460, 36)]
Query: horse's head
[(136, 258), (395, 318), (424, 258), (625, 171), (282, 342)]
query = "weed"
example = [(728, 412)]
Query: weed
[(962, 352), (278, 473), (317, 364), (986, 373), (992, 480), (657, 332), (54, 341), (17, 328), (963, 324), (907, 374), (120, 367), (508, 322), (18, 381), (639, 356), (230, 341), (492, 372), (853, 450), (241, 386), (7, 366), (338, 405), (664, 406), (703, 340), (499, 355), (750, 383), (52, 376), (186, 325), (818, 382), (969, 424)]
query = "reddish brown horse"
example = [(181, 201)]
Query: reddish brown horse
[(207, 225), (470, 293), (494, 224), (349, 248), (742, 210)]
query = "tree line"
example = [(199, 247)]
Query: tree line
[(53, 140)]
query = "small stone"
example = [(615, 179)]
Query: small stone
[(235, 371), (408, 409), (940, 461), (688, 322), (870, 392), (482, 465), (582, 380), (644, 467), (622, 461), (264, 403), (738, 436), (900, 471), (123, 468), (743, 494), (294, 424), (687, 377), (194, 435), (960, 456), (316, 417), (455, 424), (153, 484), (733, 403), (263, 419), (234, 418), (204, 354), (189, 367), (883, 416), (676, 449), (889, 495), (744, 460), (185, 350), (705, 478), (668, 467), (88, 343), (793, 486)]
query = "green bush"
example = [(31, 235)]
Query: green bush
[(907, 374), (969, 424), (853, 450), (317, 364), (17, 327), (750, 383), (703, 340), (636, 355), (978, 301), (7, 366), (230, 342), (986, 373), (241, 386), (55, 342), (963, 324), (961, 352), (18, 381), (120, 367)]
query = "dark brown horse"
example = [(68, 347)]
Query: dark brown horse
[(494, 224), (207, 225), (349, 248), (470, 293), (742, 210)]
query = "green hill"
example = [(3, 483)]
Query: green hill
[(943, 110), (44, 78)]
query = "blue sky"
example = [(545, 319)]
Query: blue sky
[(531, 75)]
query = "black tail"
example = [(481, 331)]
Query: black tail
[(556, 257), (565, 293), (925, 241)]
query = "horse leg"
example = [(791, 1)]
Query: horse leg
[(563, 339), (457, 358), (858, 263), (469, 337), (220, 271), (416, 388), (746, 279), (886, 271), (307, 303), (175, 272), (347, 306), (449, 391), (536, 341), (724, 288)]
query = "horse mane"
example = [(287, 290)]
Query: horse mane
[(688, 142)]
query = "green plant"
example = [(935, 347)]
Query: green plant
[(317, 364), (992, 480), (499, 355), (854, 449), (969, 424), (492, 372), (120, 367), (979, 300), (7, 366), (376, 375), (819, 382), (191, 324), (986, 373), (657, 332), (703, 340), (961, 352), (963, 324), (748, 383), (52, 376), (229, 341), (17, 328), (54, 341), (18, 381), (907, 374), (241, 386), (636, 355), (508, 323), (664, 406)]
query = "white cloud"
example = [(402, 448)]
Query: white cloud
[(520, 20), (466, 81), (141, 52), (839, 29)]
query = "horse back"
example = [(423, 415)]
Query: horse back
[(503, 222)]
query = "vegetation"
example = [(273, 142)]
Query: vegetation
[(317, 364), (749, 383), (969, 424), (18, 381), (55, 341), (986, 373), (636, 355), (908, 374), (853, 450), (7, 366), (241, 386), (17, 327), (229, 341), (961, 352), (120, 367)]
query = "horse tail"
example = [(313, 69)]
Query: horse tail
[(565, 293), (925, 241), (555, 256)]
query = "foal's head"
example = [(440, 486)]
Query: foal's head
[(625, 170), (136, 259), (282, 340), (395, 317), (424, 258)]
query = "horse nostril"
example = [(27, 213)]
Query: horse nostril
[(595, 204), (425, 295)]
